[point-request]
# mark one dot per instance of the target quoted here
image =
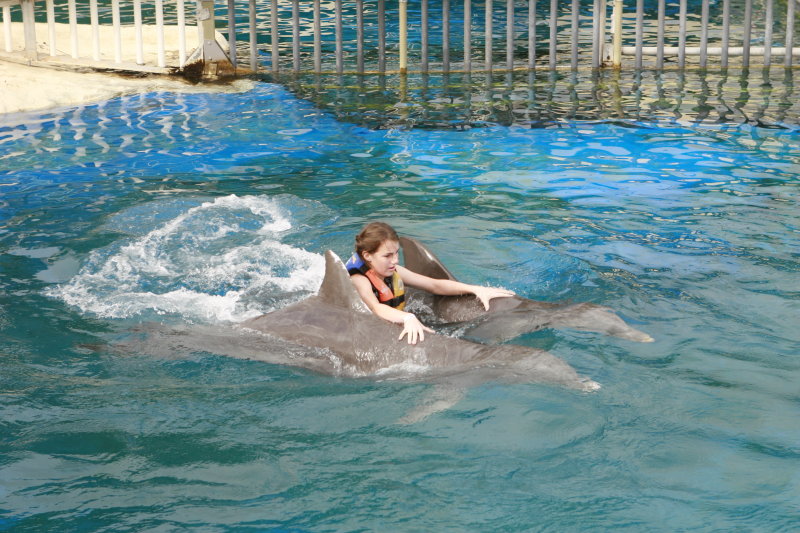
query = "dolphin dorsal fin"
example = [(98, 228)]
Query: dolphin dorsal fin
[(422, 261), (336, 288)]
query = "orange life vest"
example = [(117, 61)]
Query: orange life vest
[(389, 291)]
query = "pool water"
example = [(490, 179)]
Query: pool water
[(128, 227)]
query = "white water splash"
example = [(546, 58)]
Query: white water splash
[(214, 262)]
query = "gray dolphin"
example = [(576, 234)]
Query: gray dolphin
[(337, 320), (507, 318)]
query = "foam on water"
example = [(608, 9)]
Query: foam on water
[(213, 262)]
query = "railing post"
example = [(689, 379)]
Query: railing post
[(95, 21), (403, 36), (510, 35), (616, 55), (317, 38), (532, 34), (7, 28), (51, 27), (381, 36), (295, 36), (115, 15), (209, 54), (29, 24), (787, 60), (445, 36), (339, 38), (660, 34), (424, 24), (181, 34), (553, 33), (137, 24), (468, 35), (488, 36), (251, 16), (73, 26), (576, 8), (768, 22), (161, 56), (231, 32)]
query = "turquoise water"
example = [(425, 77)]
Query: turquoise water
[(131, 227)]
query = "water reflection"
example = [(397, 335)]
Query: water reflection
[(763, 97)]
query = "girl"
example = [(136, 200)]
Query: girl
[(380, 280)]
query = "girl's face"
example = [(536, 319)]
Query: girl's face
[(384, 260)]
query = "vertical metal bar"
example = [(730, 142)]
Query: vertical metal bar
[(640, 32), (595, 33), (726, 32), (787, 61), (231, 32), (161, 48), (51, 26), (95, 21), (403, 36), (317, 37), (181, 33), (704, 34), (748, 29), (510, 34), (295, 35), (467, 35), (768, 23), (531, 34), (73, 27), (576, 6), (339, 53), (7, 28), (117, 32), (660, 35), (382, 35), (553, 32), (682, 34), (602, 32), (616, 55), (360, 36), (29, 25), (251, 15), (487, 43), (137, 28), (424, 36), (445, 36), (274, 36)]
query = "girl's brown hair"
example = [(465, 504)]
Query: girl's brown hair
[(373, 235)]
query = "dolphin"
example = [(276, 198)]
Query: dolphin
[(507, 318), (351, 341)]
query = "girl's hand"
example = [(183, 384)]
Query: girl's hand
[(414, 329), (485, 294)]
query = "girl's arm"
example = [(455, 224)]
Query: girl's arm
[(448, 287), (411, 325)]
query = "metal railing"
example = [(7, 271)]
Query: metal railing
[(385, 36), (135, 35)]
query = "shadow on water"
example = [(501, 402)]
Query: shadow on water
[(763, 98)]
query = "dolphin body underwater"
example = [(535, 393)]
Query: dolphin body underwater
[(508, 318), (337, 320)]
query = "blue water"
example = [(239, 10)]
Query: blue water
[(127, 225)]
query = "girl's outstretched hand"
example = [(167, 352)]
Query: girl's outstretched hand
[(485, 294), (414, 329)]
